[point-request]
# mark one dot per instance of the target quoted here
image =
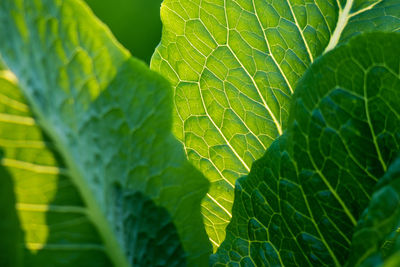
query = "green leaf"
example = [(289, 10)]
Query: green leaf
[(234, 66), (10, 249), (135, 23), (10, 227), (56, 228), (393, 261), (109, 118), (301, 201), (377, 236)]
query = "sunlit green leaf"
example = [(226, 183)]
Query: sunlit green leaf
[(234, 65)]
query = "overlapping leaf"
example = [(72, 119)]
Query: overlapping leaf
[(109, 118), (51, 214), (377, 236), (301, 201), (234, 65)]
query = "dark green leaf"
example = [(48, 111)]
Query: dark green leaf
[(377, 236), (301, 201)]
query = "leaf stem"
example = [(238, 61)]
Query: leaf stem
[(342, 22)]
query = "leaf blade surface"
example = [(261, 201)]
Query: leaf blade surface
[(300, 203), (101, 109), (234, 66)]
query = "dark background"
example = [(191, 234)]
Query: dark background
[(135, 23)]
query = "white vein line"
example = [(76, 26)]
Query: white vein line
[(229, 100), (222, 207), (50, 208), (234, 111), (214, 243), (175, 106), (270, 51), (173, 11), (17, 119), (49, 246), (300, 31), (342, 22), (220, 132), (339, 5), (277, 124), (217, 215), (219, 172), (33, 167), (322, 15), (245, 124), (365, 9), (212, 163)]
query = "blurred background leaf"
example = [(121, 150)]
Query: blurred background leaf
[(135, 23)]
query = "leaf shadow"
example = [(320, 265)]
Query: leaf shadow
[(10, 227)]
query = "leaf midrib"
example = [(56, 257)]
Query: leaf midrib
[(344, 16), (111, 245), (341, 24)]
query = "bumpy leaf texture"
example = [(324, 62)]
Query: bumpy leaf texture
[(234, 65), (377, 236), (301, 201), (56, 229), (137, 199)]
